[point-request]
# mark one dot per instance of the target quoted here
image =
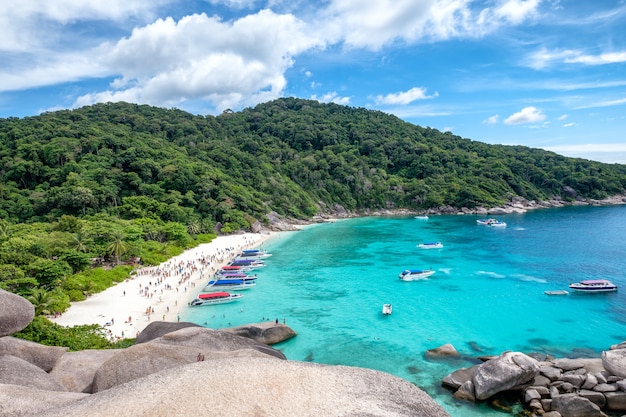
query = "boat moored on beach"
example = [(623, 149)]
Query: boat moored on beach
[(415, 274), (254, 254), (430, 245), (593, 286), (232, 284), (220, 297)]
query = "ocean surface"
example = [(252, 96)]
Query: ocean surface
[(329, 281)]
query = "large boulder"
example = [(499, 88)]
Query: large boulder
[(269, 333), (144, 359), (508, 371), (614, 361), (157, 329), (16, 371), (18, 400), (15, 313), (75, 371), (260, 386), (573, 405), (447, 350), (459, 377), (42, 356), (206, 339)]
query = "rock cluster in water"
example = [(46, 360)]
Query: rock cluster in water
[(180, 369), (551, 388)]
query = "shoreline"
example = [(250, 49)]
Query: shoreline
[(157, 293)]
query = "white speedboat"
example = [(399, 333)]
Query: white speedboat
[(430, 245), (424, 217), (231, 284), (593, 286), (415, 274), (207, 299), (387, 309), (254, 254), (491, 222)]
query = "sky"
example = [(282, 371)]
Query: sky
[(547, 74)]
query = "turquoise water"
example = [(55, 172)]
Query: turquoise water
[(329, 282)]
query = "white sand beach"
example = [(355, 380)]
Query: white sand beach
[(157, 292)]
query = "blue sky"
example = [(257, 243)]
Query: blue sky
[(548, 74)]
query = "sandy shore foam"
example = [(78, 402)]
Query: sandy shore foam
[(157, 292)]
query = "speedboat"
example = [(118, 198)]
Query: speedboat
[(430, 245), (207, 299), (593, 286), (415, 274), (254, 254), (232, 284), (424, 217), (491, 222), (387, 309)]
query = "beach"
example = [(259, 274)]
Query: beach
[(157, 293)]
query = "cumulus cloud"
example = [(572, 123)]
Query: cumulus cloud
[(201, 57), (405, 97), (492, 120), (526, 115)]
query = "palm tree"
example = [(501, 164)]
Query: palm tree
[(5, 228), (41, 300), (117, 247), (81, 241)]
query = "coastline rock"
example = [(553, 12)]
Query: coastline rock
[(510, 370), (269, 333), (271, 388), (15, 313), (20, 400), (157, 329), (75, 371), (459, 377), (215, 340), (446, 350), (614, 361), (44, 357), (139, 361), (572, 405), (16, 371)]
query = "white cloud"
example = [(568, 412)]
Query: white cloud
[(200, 57), (516, 11), (563, 117), (543, 58), (526, 115), (492, 120), (569, 124), (405, 97), (331, 97)]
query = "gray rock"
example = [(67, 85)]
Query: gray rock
[(160, 328), (552, 414), (568, 364), (551, 372), (597, 398), (572, 405), (465, 392), (574, 379), (269, 333), (75, 370), (605, 388), (459, 377), (531, 394), (540, 381), (144, 359), (16, 371), (621, 385), (214, 340), (260, 386), (614, 361), (590, 382), (510, 370), (42, 356), (615, 401), (446, 350), (18, 400), (15, 313)]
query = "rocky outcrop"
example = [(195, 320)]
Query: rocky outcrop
[(257, 387), (15, 313), (179, 368), (269, 333), (446, 350), (44, 357), (561, 388)]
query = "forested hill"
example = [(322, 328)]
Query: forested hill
[(291, 156)]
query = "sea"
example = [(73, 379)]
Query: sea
[(329, 281)]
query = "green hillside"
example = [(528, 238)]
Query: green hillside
[(288, 155)]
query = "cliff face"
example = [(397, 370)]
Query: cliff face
[(188, 372)]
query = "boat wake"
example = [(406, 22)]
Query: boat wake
[(491, 274), (530, 278)]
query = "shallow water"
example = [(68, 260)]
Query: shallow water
[(329, 282)]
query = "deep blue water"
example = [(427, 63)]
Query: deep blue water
[(329, 282)]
